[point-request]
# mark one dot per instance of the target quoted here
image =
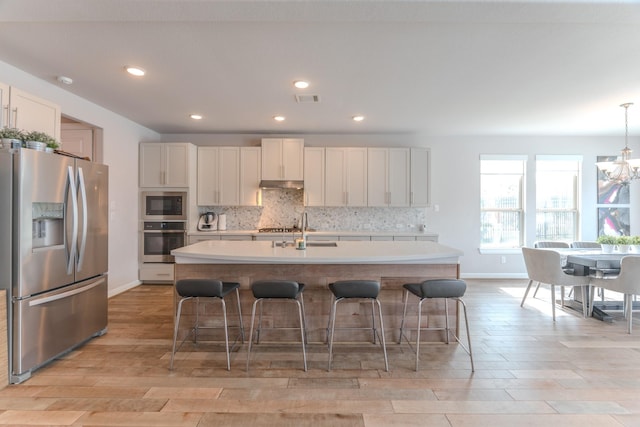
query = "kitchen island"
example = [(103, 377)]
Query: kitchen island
[(393, 263)]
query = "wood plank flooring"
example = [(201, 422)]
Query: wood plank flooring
[(529, 372)]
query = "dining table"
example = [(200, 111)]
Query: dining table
[(595, 263)]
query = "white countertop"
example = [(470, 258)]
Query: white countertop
[(346, 252), (316, 233)]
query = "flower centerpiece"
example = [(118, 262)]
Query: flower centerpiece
[(607, 242)]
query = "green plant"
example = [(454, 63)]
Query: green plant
[(607, 240), (623, 240), (635, 240), (11, 133), (42, 137)]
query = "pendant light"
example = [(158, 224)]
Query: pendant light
[(624, 169)]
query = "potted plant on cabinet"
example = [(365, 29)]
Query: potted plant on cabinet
[(11, 137), (635, 244), (36, 140), (607, 243)]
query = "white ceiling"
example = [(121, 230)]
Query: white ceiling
[(498, 67)]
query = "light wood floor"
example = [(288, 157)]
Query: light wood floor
[(529, 372)]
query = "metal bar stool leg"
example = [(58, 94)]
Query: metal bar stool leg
[(253, 316), (404, 315), (175, 331), (466, 322), (302, 333), (332, 323), (382, 338), (373, 320), (240, 315), (418, 333)]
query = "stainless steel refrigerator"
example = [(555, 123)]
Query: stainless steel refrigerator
[(53, 254)]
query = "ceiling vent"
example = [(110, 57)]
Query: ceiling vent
[(307, 99)]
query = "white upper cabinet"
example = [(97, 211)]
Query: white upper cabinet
[(27, 112), (420, 177), (282, 159), (250, 175), (218, 176), (314, 170), (388, 171), (165, 164), (4, 104), (346, 176)]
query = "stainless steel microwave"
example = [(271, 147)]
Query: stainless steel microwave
[(164, 205)]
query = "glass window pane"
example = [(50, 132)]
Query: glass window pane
[(500, 229)]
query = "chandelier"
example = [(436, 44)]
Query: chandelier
[(624, 169)]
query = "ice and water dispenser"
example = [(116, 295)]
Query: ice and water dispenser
[(48, 224)]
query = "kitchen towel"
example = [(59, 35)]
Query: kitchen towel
[(222, 222)]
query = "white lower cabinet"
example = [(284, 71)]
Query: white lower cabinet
[(197, 239), (156, 272)]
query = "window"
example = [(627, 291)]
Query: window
[(501, 201), (557, 192)]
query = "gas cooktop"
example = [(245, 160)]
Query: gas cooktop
[(277, 230)]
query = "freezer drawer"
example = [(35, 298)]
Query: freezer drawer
[(52, 323)]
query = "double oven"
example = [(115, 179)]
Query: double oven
[(163, 224)]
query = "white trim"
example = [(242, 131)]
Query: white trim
[(123, 288), (560, 157), (500, 251), (494, 276), (504, 157)]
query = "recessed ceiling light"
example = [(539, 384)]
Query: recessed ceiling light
[(135, 71), (196, 116), (65, 80), (358, 118), (278, 118), (301, 84)]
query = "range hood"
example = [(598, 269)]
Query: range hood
[(267, 183)]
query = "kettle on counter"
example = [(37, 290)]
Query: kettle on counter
[(208, 222)]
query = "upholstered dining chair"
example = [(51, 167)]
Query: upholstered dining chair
[(586, 245), (545, 266), (627, 283), (546, 244)]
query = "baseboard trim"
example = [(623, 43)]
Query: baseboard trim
[(123, 288)]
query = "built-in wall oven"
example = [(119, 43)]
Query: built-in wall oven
[(159, 238), (163, 205)]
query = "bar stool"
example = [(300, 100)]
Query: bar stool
[(361, 289), (432, 289), (206, 288), (277, 290)]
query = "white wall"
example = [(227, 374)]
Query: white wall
[(121, 137)]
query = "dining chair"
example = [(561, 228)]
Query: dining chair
[(545, 266), (546, 244), (586, 245), (626, 283)]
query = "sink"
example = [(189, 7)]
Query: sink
[(322, 244)]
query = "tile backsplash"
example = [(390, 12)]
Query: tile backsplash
[(284, 208)]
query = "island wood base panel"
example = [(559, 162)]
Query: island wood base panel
[(318, 298)]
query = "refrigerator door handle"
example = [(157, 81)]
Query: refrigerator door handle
[(74, 226), (63, 295), (83, 194)]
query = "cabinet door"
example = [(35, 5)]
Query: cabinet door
[(151, 165), (176, 164), (229, 176), (4, 105), (335, 180), (293, 159), (78, 142), (314, 176), (207, 176), (31, 113), (250, 174), (378, 177), (356, 171), (399, 175), (272, 159), (420, 182)]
